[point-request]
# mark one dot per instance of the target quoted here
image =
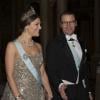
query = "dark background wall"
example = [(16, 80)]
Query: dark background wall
[(88, 26)]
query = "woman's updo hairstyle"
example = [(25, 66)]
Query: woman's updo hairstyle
[(27, 17)]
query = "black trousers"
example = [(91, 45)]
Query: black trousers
[(77, 92)]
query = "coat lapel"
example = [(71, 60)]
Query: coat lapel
[(84, 50), (66, 49)]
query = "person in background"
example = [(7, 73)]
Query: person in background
[(66, 63), (23, 82)]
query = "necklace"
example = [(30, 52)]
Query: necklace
[(26, 43)]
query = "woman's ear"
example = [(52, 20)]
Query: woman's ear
[(26, 28)]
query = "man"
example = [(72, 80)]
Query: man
[(67, 65)]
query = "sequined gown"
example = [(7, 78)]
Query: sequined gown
[(26, 83)]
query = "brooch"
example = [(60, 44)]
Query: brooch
[(25, 57)]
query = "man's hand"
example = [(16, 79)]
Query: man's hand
[(62, 92), (90, 96)]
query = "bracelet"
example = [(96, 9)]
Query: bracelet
[(17, 97)]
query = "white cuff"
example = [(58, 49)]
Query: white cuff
[(61, 84), (89, 92)]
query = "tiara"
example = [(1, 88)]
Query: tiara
[(28, 14)]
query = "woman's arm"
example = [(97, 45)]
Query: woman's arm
[(44, 77), (9, 63), (46, 82)]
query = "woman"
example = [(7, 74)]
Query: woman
[(22, 84)]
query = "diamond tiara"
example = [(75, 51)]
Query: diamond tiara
[(29, 13)]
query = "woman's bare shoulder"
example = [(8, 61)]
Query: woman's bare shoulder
[(11, 47)]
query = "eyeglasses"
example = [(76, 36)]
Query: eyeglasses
[(69, 22)]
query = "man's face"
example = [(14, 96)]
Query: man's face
[(68, 24)]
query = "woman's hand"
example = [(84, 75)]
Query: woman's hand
[(50, 97), (20, 97)]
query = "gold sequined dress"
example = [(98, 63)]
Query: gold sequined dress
[(26, 83)]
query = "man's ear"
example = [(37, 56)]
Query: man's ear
[(60, 24), (76, 23)]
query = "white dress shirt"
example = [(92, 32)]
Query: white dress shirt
[(75, 45)]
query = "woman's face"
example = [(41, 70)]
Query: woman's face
[(34, 27)]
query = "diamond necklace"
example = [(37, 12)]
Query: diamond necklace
[(26, 44)]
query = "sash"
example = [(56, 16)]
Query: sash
[(27, 61)]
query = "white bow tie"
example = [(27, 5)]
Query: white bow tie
[(73, 36)]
